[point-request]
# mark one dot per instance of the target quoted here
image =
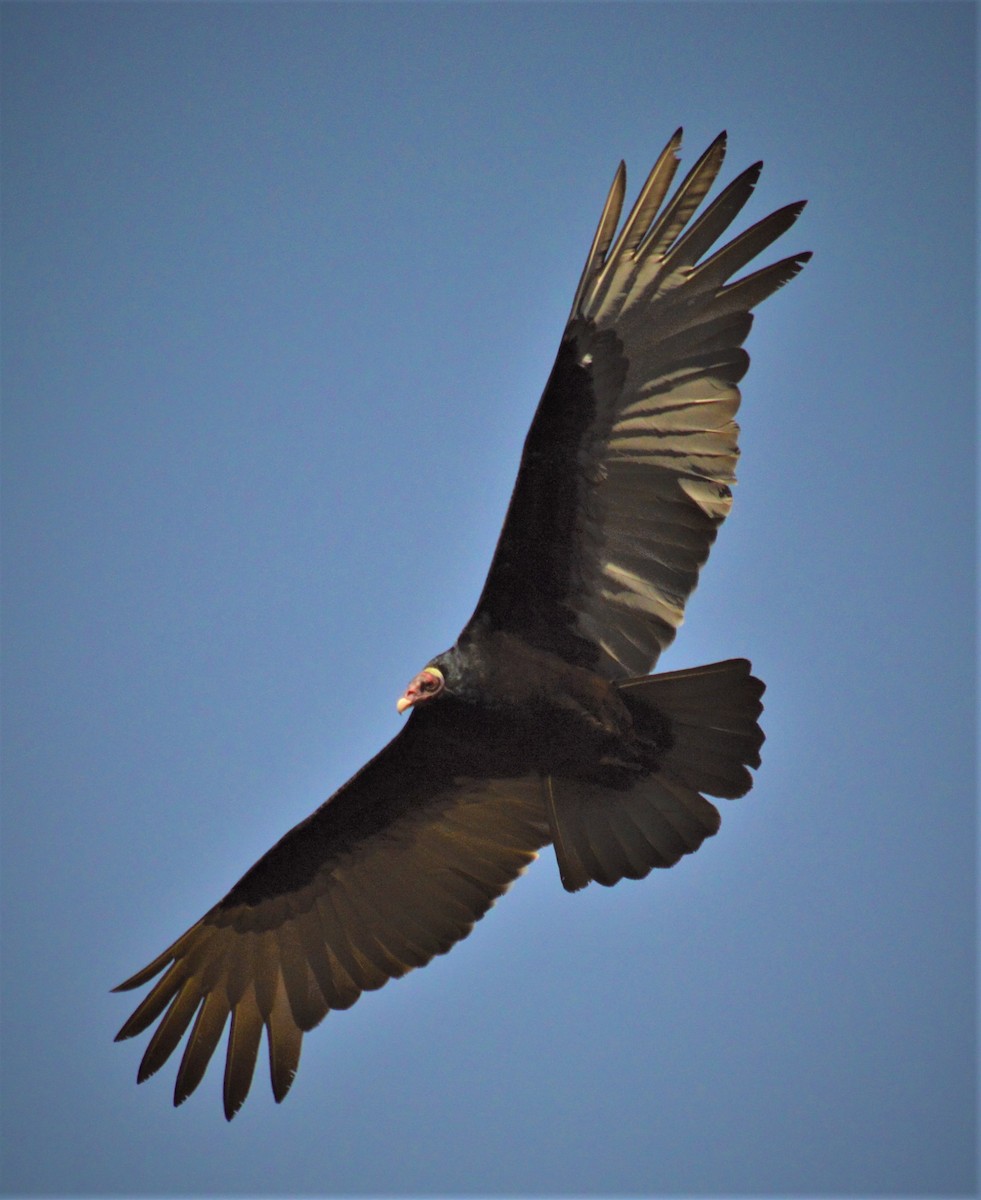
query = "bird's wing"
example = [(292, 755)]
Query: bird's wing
[(627, 468), (395, 868)]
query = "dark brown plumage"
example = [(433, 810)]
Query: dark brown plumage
[(540, 725)]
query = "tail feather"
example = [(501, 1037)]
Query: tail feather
[(606, 835), (713, 713), (704, 723)]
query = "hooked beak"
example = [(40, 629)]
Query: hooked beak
[(427, 683)]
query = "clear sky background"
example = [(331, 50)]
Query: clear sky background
[(281, 287)]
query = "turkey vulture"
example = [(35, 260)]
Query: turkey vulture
[(541, 724)]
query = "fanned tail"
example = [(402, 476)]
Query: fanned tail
[(705, 722)]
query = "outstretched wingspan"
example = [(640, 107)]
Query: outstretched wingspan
[(529, 728), (627, 469)]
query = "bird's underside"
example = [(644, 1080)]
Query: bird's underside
[(541, 723)]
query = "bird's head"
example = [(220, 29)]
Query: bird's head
[(453, 675), (427, 685)]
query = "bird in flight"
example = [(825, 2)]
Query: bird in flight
[(542, 723)]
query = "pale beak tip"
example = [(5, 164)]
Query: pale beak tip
[(403, 703)]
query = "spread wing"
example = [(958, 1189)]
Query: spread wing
[(627, 468), (395, 868)]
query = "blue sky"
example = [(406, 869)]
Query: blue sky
[(281, 287)]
